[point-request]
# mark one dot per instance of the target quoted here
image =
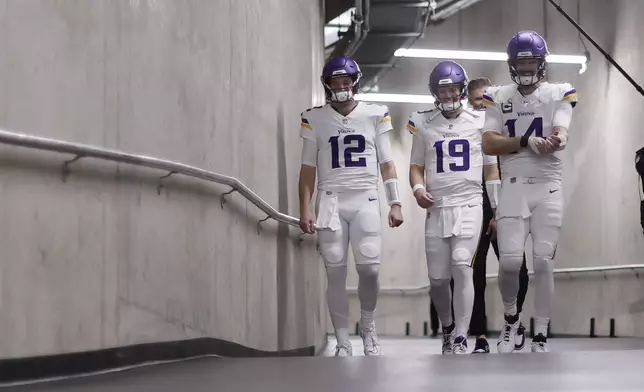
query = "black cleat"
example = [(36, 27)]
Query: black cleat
[(481, 346), (519, 338)]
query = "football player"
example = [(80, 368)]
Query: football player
[(527, 125), (478, 325), (346, 143), (446, 173)]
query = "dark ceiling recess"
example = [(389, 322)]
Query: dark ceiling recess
[(333, 8), (380, 27)]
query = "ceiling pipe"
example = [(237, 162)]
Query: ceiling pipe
[(361, 20)]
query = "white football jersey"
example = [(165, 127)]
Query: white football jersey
[(453, 156), (347, 158), (511, 114)]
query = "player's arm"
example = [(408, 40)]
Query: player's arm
[(308, 172), (388, 169), (494, 143), (417, 169), (417, 165), (492, 179), (563, 115), (386, 159)]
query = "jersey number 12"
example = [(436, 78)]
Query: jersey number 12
[(348, 151), (453, 152)]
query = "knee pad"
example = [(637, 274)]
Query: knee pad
[(369, 241), (331, 249), (544, 250), (369, 250), (332, 253), (461, 256)]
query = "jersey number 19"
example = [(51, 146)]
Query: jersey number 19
[(456, 148)]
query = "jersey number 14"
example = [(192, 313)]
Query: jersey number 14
[(536, 127), (348, 151)]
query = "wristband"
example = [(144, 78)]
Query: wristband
[(492, 188), (391, 192)]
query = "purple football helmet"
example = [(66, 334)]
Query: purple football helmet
[(336, 67), (527, 45), (448, 73)]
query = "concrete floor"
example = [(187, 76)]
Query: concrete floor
[(408, 365)]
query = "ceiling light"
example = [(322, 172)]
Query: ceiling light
[(486, 56), (398, 98)]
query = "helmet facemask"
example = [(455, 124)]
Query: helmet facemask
[(341, 88), (528, 70), (449, 96)]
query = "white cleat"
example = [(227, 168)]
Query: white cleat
[(460, 345), (539, 344), (343, 349), (370, 341), (507, 339), (448, 340)]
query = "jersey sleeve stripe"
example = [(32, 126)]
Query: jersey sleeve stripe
[(570, 96), (488, 101), (385, 118), (411, 127), (305, 124)]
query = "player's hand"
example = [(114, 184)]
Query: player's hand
[(307, 222), (554, 140), (491, 229), (423, 198), (395, 216), (540, 145)]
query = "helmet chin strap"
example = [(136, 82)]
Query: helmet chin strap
[(527, 80), (449, 106)]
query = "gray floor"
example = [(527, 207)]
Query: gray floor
[(407, 365)]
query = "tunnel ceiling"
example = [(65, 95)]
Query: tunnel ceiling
[(387, 26)]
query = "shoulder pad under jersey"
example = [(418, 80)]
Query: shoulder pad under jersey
[(420, 118), (564, 92), (495, 95), (412, 124), (311, 109)]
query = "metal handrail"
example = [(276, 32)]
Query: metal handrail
[(87, 151), (422, 289)]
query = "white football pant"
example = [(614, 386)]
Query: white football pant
[(355, 217), (452, 236), (529, 206)]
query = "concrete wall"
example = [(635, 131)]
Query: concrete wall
[(103, 260), (601, 225)]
